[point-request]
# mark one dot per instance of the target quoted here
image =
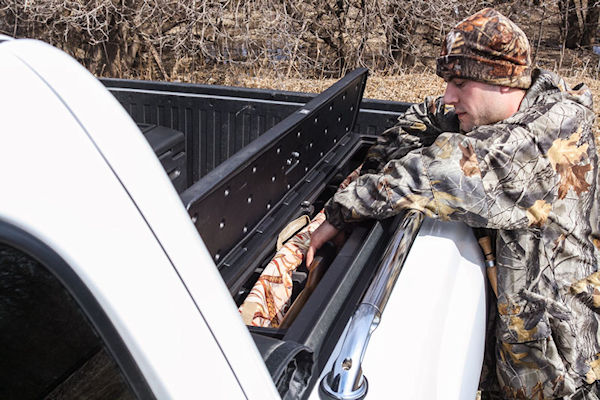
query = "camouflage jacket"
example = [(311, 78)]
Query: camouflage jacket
[(532, 178)]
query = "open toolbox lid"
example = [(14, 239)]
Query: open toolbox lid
[(236, 199)]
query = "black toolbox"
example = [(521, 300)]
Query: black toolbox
[(240, 207)]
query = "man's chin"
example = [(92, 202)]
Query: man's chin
[(464, 122), (466, 127)]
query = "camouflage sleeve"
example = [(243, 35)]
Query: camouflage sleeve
[(417, 127), (501, 176)]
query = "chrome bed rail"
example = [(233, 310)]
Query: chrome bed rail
[(346, 379)]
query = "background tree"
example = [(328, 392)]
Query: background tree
[(579, 22), (175, 39)]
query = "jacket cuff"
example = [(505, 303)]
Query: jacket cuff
[(333, 213)]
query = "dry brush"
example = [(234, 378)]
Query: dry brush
[(168, 39)]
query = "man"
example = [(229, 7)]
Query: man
[(509, 149)]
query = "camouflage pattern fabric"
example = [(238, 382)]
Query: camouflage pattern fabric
[(487, 47), (269, 299), (531, 177)]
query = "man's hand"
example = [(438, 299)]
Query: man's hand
[(318, 238)]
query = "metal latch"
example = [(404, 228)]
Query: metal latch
[(292, 161)]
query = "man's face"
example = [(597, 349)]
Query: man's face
[(475, 103)]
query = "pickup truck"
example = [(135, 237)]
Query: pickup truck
[(136, 216)]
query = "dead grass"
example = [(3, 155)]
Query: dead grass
[(410, 86)]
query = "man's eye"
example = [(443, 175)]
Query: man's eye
[(459, 84)]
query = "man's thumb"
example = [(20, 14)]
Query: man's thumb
[(309, 255)]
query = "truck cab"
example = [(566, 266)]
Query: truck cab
[(132, 228)]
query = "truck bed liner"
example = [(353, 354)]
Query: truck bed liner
[(218, 121)]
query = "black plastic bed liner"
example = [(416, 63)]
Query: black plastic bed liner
[(218, 121)]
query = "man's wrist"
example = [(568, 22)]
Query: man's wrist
[(333, 214)]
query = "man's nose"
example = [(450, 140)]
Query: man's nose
[(450, 97)]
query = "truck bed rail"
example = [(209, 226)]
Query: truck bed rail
[(346, 379)]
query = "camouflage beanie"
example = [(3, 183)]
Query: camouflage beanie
[(487, 47)]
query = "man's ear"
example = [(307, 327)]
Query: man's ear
[(508, 89)]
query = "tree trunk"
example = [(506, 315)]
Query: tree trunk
[(570, 22), (591, 23)]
